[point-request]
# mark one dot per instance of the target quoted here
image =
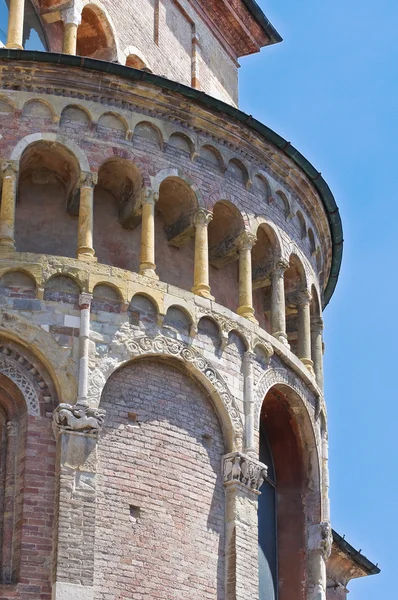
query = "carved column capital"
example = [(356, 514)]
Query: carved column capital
[(78, 418), (202, 217), (88, 179), (85, 300), (304, 298), (10, 168), (321, 538), (316, 323), (150, 197), (249, 357), (71, 15), (246, 241), (241, 469), (280, 267)]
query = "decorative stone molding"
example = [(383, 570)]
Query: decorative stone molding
[(242, 469), (165, 346), (79, 418), (202, 217), (88, 179), (274, 376), (20, 372)]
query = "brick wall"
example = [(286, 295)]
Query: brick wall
[(160, 498)]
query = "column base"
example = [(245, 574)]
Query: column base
[(7, 245), (202, 290), (86, 256), (148, 270), (247, 312), (309, 364), (13, 46)]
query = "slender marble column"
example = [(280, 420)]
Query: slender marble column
[(304, 330), (8, 202), (15, 24), (245, 308), (72, 19), (147, 259), (84, 336), (201, 285), (317, 348), (249, 445), (278, 308), (85, 250)]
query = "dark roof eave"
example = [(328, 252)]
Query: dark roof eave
[(320, 184), (269, 30), (360, 559)]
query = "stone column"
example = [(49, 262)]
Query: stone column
[(245, 308), (147, 259), (243, 477), (320, 546), (85, 250), (248, 395), (72, 19), (76, 428), (304, 329), (8, 203), (201, 285), (317, 348), (278, 308), (84, 336), (15, 24)]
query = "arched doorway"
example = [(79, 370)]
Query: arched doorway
[(161, 499)]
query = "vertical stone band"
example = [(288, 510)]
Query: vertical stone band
[(304, 329), (147, 257), (8, 203), (201, 222), (15, 24), (85, 228), (278, 309), (245, 308)]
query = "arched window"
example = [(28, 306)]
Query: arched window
[(33, 33), (267, 530)]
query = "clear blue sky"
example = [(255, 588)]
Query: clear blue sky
[(331, 88)]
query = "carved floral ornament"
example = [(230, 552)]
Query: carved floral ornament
[(14, 369), (160, 345), (242, 469)]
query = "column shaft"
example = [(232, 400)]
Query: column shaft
[(304, 330), (84, 335), (201, 285), (85, 248), (15, 24), (8, 202), (278, 309), (147, 259), (70, 38), (245, 308), (249, 446), (317, 348)]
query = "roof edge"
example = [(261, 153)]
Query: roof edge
[(265, 24), (361, 560), (327, 198)]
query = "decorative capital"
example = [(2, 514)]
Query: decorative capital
[(88, 179), (85, 300), (246, 241), (250, 357), (316, 323), (326, 539), (202, 217), (150, 197), (79, 418), (241, 469), (304, 298), (280, 267), (10, 168), (71, 15)]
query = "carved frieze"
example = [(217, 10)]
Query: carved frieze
[(79, 418)]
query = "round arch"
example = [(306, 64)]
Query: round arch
[(73, 148), (177, 174)]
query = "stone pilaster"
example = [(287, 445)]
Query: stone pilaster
[(243, 477), (278, 308), (85, 250), (245, 308), (304, 329), (72, 19), (317, 348), (8, 203), (201, 222), (147, 258), (320, 547), (15, 24), (76, 428)]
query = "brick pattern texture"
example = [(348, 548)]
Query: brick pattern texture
[(160, 496)]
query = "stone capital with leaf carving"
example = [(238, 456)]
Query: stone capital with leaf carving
[(88, 179), (202, 217)]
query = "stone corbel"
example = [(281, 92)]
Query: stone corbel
[(238, 468), (78, 418)]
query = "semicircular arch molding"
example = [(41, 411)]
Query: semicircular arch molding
[(178, 174), (33, 138), (18, 373), (194, 362)]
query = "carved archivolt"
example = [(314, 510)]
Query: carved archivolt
[(161, 345), (14, 370), (274, 376)]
